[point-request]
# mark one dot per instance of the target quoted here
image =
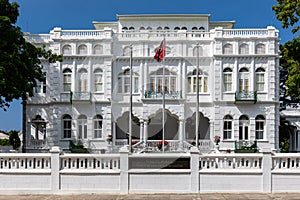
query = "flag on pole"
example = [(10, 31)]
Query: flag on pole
[(160, 51)]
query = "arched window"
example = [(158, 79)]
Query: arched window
[(159, 28), (176, 28), (260, 79), (98, 49), (82, 49), (124, 82), (166, 28), (192, 82), (131, 28), (184, 28), (243, 128), (227, 79), (227, 49), (67, 50), (82, 81), (98, 80), (67, 126), (194, 29), (227, 127), (243, 80), (82, 127), (259, 127), (244, 49), (260, 49), (156, 81), (142, 28), (67, 80), (41, 86), (124, 29), (149, 28), (97, 126), (126, 51), (195, 53), (39, 127), (202, 29)]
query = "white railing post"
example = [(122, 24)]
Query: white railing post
[(267, 167), (194, 169), (124, 162), (55, 167)]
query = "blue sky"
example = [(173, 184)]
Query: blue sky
[(41, 16)]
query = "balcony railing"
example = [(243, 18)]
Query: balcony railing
[(246, 96), (149, 94), (81, 96)]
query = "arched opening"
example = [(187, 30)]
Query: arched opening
[(155, 128), (203, 131), (122, 127)]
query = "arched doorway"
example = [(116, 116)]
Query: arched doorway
[(190, 128), (122, 127), (171, 126)]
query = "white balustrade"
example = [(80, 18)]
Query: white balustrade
[(90, 161), (10, 161), (245, 32), (286, 161), (89, 34), (37, 38), (230, 161)]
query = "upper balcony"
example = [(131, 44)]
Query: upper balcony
[(149, 94), (157, 35), (246, 97)]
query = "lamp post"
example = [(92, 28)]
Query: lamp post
[(197, 98)]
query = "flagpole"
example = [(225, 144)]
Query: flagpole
[(130, 97), (164, 102), (197, 98)]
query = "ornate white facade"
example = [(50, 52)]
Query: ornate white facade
[(86, 97)]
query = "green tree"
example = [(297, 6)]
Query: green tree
[(288, 12), (20, 64), (290, 60), (14, 139)]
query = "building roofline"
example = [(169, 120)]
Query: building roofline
[(161, 15)]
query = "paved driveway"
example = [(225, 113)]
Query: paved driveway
[(214, 196)]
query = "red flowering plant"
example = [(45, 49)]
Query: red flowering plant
[(159, 143), (109, 138), (217, 139)]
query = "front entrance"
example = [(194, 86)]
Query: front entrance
[(203, 131), (155, 130)]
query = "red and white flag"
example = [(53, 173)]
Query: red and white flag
[(160, 51)]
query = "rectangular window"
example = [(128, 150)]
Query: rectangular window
[(227, 129), (120, 85), (97, 129), (259, 130), (189, 84), (136, 84), (67, 82), (126, 84), (205, 84), (260, 82), (227, 82)]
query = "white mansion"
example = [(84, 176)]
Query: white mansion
[(86, 97)]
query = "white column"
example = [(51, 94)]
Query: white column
[(181, 133), (55, 167), (146, 123), (266, 167), (124, 170), (141, 130), (194, 169)]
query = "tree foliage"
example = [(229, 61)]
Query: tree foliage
[(288, 12), (14, 139), (20, 64), (290, 61)]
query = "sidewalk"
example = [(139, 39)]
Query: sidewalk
[(212, 196)]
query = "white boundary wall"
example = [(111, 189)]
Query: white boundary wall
[(55, 172)]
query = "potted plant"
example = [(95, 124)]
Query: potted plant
[(160, 144), (109, 138)]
